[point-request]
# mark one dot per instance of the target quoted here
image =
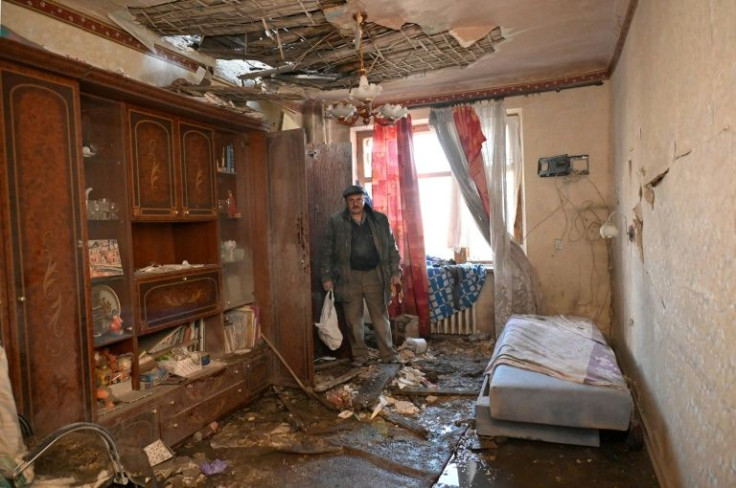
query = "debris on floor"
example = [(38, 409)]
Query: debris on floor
[(407, 425)]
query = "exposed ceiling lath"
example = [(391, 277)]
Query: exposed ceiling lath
[(279, 32)]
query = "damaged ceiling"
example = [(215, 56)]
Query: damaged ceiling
[(308, 48), (312, 43)]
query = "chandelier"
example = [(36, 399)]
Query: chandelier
[(360, 105)]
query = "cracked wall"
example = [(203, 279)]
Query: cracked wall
[(563, 214), (674, 120)]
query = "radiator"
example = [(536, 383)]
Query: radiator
[(462, 322)]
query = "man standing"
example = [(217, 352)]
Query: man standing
[(360, 261)]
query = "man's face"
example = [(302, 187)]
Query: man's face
[(355, 204)]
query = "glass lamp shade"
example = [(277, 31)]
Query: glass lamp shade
[(608, 230), (391, 111), (341, 110), (365, 91)]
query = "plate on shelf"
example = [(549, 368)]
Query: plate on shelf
[(105, 305)]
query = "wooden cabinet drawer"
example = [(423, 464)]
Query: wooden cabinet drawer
[(179, 427), (173, 300), (201, 389), (258, 373), (134, 429)]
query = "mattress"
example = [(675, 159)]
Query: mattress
[(485, 425), (527, 396)]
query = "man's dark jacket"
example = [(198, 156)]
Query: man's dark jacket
[(335, 255)]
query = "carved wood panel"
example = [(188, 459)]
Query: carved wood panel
[(47, 291), (289, 252), (177, 300), (152, 165), (197, 170), (329, 170)]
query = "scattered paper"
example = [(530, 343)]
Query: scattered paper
[(157, 452)]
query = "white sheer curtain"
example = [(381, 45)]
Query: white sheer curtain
[(513, 278), (442, 121)]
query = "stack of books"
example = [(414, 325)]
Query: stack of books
[(242, 329)]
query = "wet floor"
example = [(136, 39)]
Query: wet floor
[(286, 439)]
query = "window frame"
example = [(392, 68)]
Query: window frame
[(460, 255)]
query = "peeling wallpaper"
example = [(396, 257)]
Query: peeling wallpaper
[(674, 114)]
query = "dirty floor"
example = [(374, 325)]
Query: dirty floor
[(416, 439)]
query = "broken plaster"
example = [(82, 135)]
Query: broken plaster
[(387, 15)]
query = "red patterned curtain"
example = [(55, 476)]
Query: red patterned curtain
[(396, 193), (471, 137)]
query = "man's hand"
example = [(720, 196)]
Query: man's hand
[(328, 285), (396, 288)]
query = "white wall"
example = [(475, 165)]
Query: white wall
[(674, 109), (573, 272), (68, 40)]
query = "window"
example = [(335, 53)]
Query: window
[(448, 225)]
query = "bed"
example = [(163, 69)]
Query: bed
[(553, 379)]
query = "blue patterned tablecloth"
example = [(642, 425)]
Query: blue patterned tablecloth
[(453, 287)]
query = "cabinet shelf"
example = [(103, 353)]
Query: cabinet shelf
[(167, 273), (96, 221), (108, 339), (96, 280)]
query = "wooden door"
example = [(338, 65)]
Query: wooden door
[(291, 330), (329, 172), (197, 171), (45, 247), (153, 180)]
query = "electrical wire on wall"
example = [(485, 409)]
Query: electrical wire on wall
[(582, 223)]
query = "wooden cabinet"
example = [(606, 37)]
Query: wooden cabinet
[(172, 167), (289, 263), (195, 404), (235, 219), (177, 298), (44, 274), (153, 170), (104, 183), (197, 170)]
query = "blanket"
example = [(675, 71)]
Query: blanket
[(453, 287), (565, 347)]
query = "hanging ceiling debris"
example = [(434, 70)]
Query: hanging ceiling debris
[(308, 43)]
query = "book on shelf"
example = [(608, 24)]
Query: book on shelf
[(242, 329), (189, 335), (104, 258)]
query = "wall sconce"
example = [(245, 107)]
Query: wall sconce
[(609, 230)]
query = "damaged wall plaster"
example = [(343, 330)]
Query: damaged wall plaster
[(672, 106), (573, 273), (68, 40)]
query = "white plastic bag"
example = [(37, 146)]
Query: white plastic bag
[(327, 327), (12, 448)]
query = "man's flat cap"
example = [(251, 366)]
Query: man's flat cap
[(354, 190)]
